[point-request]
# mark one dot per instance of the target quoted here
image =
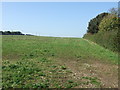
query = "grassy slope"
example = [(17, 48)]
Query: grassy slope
[(32, 61)]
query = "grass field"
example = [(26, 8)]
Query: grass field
[(52, 62)]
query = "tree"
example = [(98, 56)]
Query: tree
[(109, 23), (7, 33), (94, 23), (10, 33)]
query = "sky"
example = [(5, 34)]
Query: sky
[(57, 19)]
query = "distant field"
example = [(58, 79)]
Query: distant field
[(41, 62)]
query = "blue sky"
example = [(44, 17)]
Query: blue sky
[(59, 19)]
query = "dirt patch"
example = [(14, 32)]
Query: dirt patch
[(106, 74)]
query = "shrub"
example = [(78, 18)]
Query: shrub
[(107, 39)]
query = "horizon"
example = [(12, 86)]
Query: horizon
[(54, 19)]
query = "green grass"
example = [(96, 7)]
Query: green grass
[(17, 47), (34, 62)]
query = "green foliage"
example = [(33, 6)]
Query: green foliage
[(107, 39), (32, 74), (94, 23), (63, 67), (93, 80), (109, 23), (109, 27), (17, 74)]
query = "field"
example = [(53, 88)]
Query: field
[(52, 62)]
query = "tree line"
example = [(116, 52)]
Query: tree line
[(104, 29), (13, 33), (104, 21)]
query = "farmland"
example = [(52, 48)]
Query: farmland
[(54, 62)]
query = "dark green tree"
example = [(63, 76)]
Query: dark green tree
[(94, 23)]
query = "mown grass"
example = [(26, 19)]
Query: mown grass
[(33, 61)]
